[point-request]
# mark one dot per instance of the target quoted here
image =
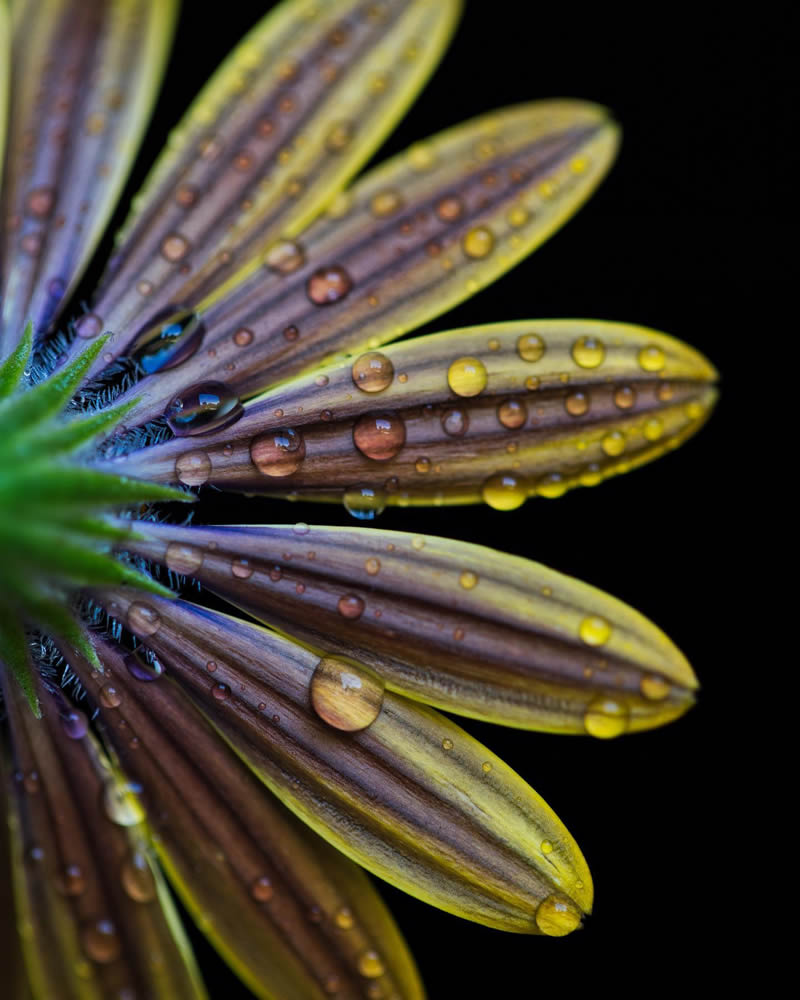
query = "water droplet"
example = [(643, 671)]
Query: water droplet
[(143, 619), (364, 502), (350, 606), (193, 468), (605, 718), (278, 453), (261, 889), (380, 436), (370, 965), (588, 352), (347, 696), (504, 491), (241, 569), (242, 337), (220, 692), (40, 201), (594, 630), (101, 942), (421, 157), (652, 358), (89, 326), (372, 566), (372, 372), (74, 724), (532, 383), (423, 465), (577, 403), (665, 392), (695, 409), (512, 414), (340, 136), (203, 408), (467, 376), (625, 397), (455, 422), (344, 918), (450, 208), (518, 216), (30, 782), (552, 486), (557, 916), (291, 333), (486, 767), (328, 285), (285, 257), (169, 341), (613, 443), (468, 579), (186, 195), (120, 803), (70, 881), (531, 347), (547, 847), (137, 879), (143, 667), (654, 687), (182, 558), (385, 203), (174, 247), (478, 242), (447, 743), (653, 429)]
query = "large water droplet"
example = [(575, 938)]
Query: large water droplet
[(364, 502), (588, 352), (143, 665), (346, 695), (512, 414), (168, 341), (137, 879), (278, 453), (350, 606), (455, 422), (203, 408), (478, 242), (605, 718), (101, 942), (594, 630), (329, 285), (182, 558), (193, 468), (372, 372), (143, 619), (652, 358), (557, 915), (380, 436), (504, 491), (467, 376), (530, 347)]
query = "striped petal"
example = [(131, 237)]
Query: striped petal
[(15, 979), (5, 66), (292, 916), (452, 624), (95, 919), (83, 80), (395, 786), (296, 109), (413, 238), (494, 413)]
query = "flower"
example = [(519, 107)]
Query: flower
[(458, 627)]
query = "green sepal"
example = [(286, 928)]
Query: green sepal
[(51, 615), (69, 436), (45, 484), (13, 368)]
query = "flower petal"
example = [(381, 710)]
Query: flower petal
[(292, 916), (83, 80), (412, 239), (94, 917), (495, 413), (296, 109), (395, 786), (453, 624), (5, 69)]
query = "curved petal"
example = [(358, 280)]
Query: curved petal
[(452, 624), (94, 918), (84, 77), (412, 239), (292, 916), (5, 70), (495, 413), (395, 786), (296, 109)]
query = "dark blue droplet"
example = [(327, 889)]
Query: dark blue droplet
[(203, 408), (170, 339)]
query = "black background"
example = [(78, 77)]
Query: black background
[(663, 243)]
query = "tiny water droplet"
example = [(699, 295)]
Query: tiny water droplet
[(468, 579), (137, 879), (261, 889), (120, 803), (625, 397), (455, 422), (370, 965), (74, 724), (101, 942), (654, 687), (241, 569), (447, 743), (344, 918), (329, 285), (70, 881), (285, 257), (372, 566), (576, 404), (613, 443)]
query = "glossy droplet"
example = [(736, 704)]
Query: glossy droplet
[(557, 916), (89, 326), (285, 257), (654, 687), (552, 486), (372, 566), (220, 692), (594, 630), (169, 342), (380, 436), (143, 619), (174, 247), (478, 242), (486, 767), (137, 879), (141, 667), (370, 965), (243, 337), (329, 285), (588, 352), (261, 889), (372, 372), (450, 208), (193, 468), (71, 881), (576, 404), (385, 203), (504, 491), (344, 919), (652, 358), (447, 744), (203, 408), (350, 606), (346, 695), (467, 376), (75, 724), (241, 569), (530, 347), (101, 943), (468, 579), (278, 453), (547, 847), (423, 465), (121, 805), (653, 429), (39, 202), (512, 414), (605, 718), (340, 136), (364, 502), (182, 558), (613, 443), (625, 397), (455, 422)]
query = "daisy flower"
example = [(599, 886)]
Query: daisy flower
[(246, 715)]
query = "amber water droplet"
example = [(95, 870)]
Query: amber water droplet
[(344, 918), (372, 372), (665, 392), (478, 242), (174, 247), (340, 136), (220, 692), (372, 566), (594, 630), (70, 881), (141, 667), (168, 342), (613, 443), (504, 491), (652, 358), (203, 408), (137, 879), (143, 619), (241, 569), (350, 606), (468, 579), (605, 718), (455, 422), (193, 468), (385, 203), (182, 558), (530, 347), (278, 453), (364, 502), (423, 465), (557, 916), (242, 337), (347, 696), (261, 889), (576, 404), (588, 352), (329, 285), (625, 397), (370, 965), (450, 208), (379, 436), (467, 376), (654, 687), (447, 743), (101, 942), (512, 414), (285, 257)]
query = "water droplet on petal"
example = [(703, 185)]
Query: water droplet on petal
[(512, 414), (447, 743), (167, 342), (278, 453), (143, 619), (141, 667), (594, 630), (101, 942), (455, 422), (653, 429), (121, 805), (557, 915), (468, 579), (346, 695), (242, 337), (174, 247), (625, 397), (588, 352), (344, 918), (530, 347), (372, 566), (450, 208), (350, 606), (241, 569), (285, 257), (364, 502), (370, 965), (137, 879), (605, 718), (329, 285), (193, 468), (182, 558), (70, 881), (385, 203), (379, 436), (654, 687), (467, 376), (504, 491), (261, 889), (372, 372), (478, 242), (652, 358), (203, 408), (613, 443), (75, 724)]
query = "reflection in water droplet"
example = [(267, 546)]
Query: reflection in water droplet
[(588, 352), (169, 342), (143, 667), (512, 414), (372, 372), (347, 696), (350, 606), (143, 619), (455, 422), (329, 285), (372, 566), (654, 687), (370, 965), (605, 718), (652, 358), (278, 453), (594, 630), (182, 558), (261, 889), (478, 242), (203, 408), (552, 486), (220, 692), (75, 724), (380, 436), (467, 376), (193, 468), (625, 397), (530, 347), (504, 491), (364, 502), (557, 915), (120, 803), (101, 942), (241, 569), (137, 879), (285, 257)]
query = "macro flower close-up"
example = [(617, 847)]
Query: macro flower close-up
[(231, 646)]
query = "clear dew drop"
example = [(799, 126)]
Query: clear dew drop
[(577, 404), (372, 566), (588, 352), (202, 409), (70, 881), (478, 242), (220, 692), (504, 491), (370, 965), (594, 630), (143, 619), (261, 889), (512, 414), (625, 397), (168, 342), (372, 372), (329, 285), (467, 579), (455, 422), (467, 376), (605, 718), (285, 257), (350, 606), (364, 502), (182, 558), (121, 805), (379, 436), (278, 453), (531, 347), (101, 942), (143, 667), (557, 916), (137, 879), (346, 695), (654, 687), (193, 468), (241, 569), (75, 724), (652, 358)]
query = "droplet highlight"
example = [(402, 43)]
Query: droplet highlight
[(345, 695)]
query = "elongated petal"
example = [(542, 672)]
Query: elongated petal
[(289, 117), (495, 413), (83, 80), (15, 979), (294, 918), (394, 785), (413, 238), (95, 919), (5, 69), (456, 625)]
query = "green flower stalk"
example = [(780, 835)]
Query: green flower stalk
[(240, 341)]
